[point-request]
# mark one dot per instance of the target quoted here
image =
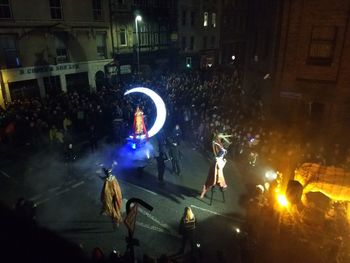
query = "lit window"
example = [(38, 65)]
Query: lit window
[(205, 23), (97, 10), (143, 33), (61, 47), (5, 11), (122, 37), (322, 45), (213, 20), (101, 45), (56, 9)]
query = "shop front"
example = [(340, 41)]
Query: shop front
[(37, 81)]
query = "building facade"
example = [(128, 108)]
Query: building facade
[(198, 39), (312, 74), (261, 42), (233, 38), (145, 43), (47, 46)]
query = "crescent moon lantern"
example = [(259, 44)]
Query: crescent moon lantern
[(160, 107)]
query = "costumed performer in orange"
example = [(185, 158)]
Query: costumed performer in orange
[(111, 197), (139, 123)]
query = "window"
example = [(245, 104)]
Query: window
[(61, 47), (322, 44), (9, 48), (143, 35), (192, 43), (101, 44), (56, 9), (183, 17), (193, 18), (123, 37), (156, 37), (213, 20), (213, 42), (205, 40), (183, 43), (5, 10), (97, 10), (205, 21), (163, 35), (241, 22)]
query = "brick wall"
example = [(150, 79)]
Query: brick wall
[(296, 70)]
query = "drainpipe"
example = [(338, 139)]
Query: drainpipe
[(111, 26)]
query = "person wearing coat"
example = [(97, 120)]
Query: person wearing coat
[(187, 229)]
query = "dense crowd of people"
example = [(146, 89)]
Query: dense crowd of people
[(201, 103)]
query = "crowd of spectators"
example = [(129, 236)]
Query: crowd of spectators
[(200, 102)]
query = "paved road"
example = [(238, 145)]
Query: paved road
[(71, 207)]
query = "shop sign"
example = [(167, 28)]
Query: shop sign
[(43, 69)]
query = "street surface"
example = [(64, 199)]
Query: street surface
[(71, 206)]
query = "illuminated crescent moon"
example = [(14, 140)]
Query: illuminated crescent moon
[(160, 107)]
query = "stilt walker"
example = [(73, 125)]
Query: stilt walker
[(215, 176)]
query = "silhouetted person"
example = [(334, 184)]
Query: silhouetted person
[(174, 154), (69, 158), (161, 166), (93, 138)]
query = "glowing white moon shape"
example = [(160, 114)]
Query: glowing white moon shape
[(160, 107)]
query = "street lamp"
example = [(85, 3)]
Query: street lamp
[(138, 18)]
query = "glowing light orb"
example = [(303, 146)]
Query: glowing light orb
[(282, 200), (271, 175), (160, 107)]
